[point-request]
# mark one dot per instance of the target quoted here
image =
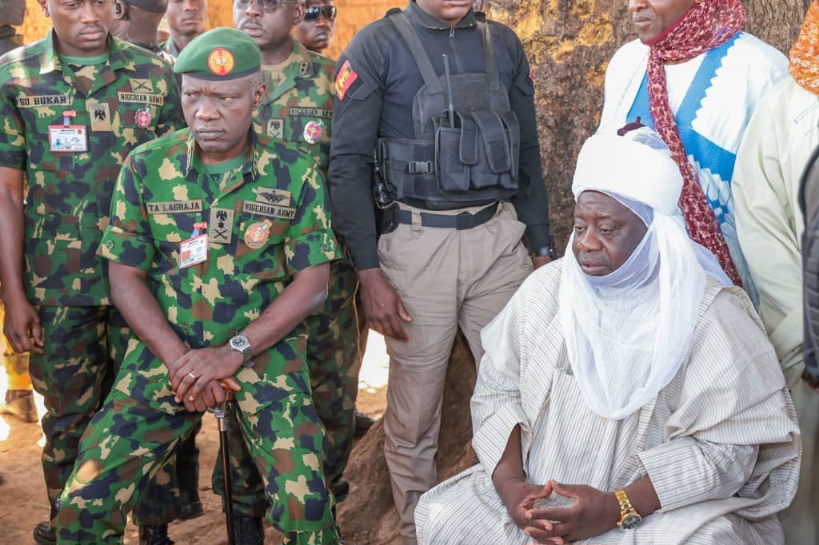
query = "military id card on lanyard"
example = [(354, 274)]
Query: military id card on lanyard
[(194, 250), (67, 137)]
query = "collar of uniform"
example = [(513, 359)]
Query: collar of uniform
[(292, 70), (50, 60), (170, 47), (421, 17), (250, 167), (302, 55)]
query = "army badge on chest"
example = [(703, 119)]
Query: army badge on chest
[(313, 132)]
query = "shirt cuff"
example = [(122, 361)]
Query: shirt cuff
[(491, 439), (314, 248), (365, 260), (537, 236), (126, 248)]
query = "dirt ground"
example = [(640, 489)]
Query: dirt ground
[(23, 501)]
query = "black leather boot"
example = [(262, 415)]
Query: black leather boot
[(154, 535), (248, 530)]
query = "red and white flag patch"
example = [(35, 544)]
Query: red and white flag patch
[(344, 79)]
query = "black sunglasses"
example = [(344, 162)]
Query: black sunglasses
[(311, 13)]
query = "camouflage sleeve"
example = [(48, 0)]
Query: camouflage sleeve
[(128, 238), (13, 135), (309, 240), (170, 116), (330, 69)]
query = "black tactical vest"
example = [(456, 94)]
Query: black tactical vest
[(809, 202), (467, 159)]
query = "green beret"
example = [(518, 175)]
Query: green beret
[(153, 6), (219, 54)]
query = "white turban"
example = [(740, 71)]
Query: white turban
[(627, 333), (635, 169)]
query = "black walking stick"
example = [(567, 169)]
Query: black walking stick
[(220, 413)]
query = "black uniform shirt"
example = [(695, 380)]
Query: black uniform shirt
[(376, 81)]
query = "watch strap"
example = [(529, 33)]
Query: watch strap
[(245, 351), (626, 508)]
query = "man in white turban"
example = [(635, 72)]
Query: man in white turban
[(628, 394)]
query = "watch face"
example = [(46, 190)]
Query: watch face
[(630, 522), (239, 343)]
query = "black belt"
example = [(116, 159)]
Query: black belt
[(464, 220)]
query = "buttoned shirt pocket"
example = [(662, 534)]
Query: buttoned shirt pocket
[(169, 231), (260, 245)]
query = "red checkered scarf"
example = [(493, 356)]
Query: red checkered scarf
[(708, 24), (805, 52)]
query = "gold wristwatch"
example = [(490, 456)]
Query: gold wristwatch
[(629, 517)]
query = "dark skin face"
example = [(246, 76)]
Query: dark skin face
[(81, 27), (270, 30), (220, 113), (316, 34), (652, 17), (449, 12), (187, 17), (606, 233)]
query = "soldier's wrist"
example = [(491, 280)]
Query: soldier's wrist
[(14, 297), (235, 358), (368, 276)]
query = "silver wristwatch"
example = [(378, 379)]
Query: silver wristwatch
[(240, 344)]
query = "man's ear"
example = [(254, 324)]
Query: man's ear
[(298, 14), (120, 10), (44, 7), (259, 93)]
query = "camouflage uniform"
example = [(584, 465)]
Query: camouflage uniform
[(206, 305), (298, 110), (67, 206)]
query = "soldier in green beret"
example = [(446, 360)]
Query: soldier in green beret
[(73, 106), (298, 109), (219, 248)]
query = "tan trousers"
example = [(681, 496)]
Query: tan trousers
[(447, 279)]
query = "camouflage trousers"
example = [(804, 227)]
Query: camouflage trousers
[(83, 346), (128, 442), (334, 362), (73, 376), (16, 365)]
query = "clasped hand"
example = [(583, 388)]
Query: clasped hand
[(592, 513), (202, 378)]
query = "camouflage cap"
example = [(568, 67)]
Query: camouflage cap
[(154, 6), (220, 54)]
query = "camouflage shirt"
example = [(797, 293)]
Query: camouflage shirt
[(298, 107), (130, 99), (266, 220)]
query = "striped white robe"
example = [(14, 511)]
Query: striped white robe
[(720, 443)]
